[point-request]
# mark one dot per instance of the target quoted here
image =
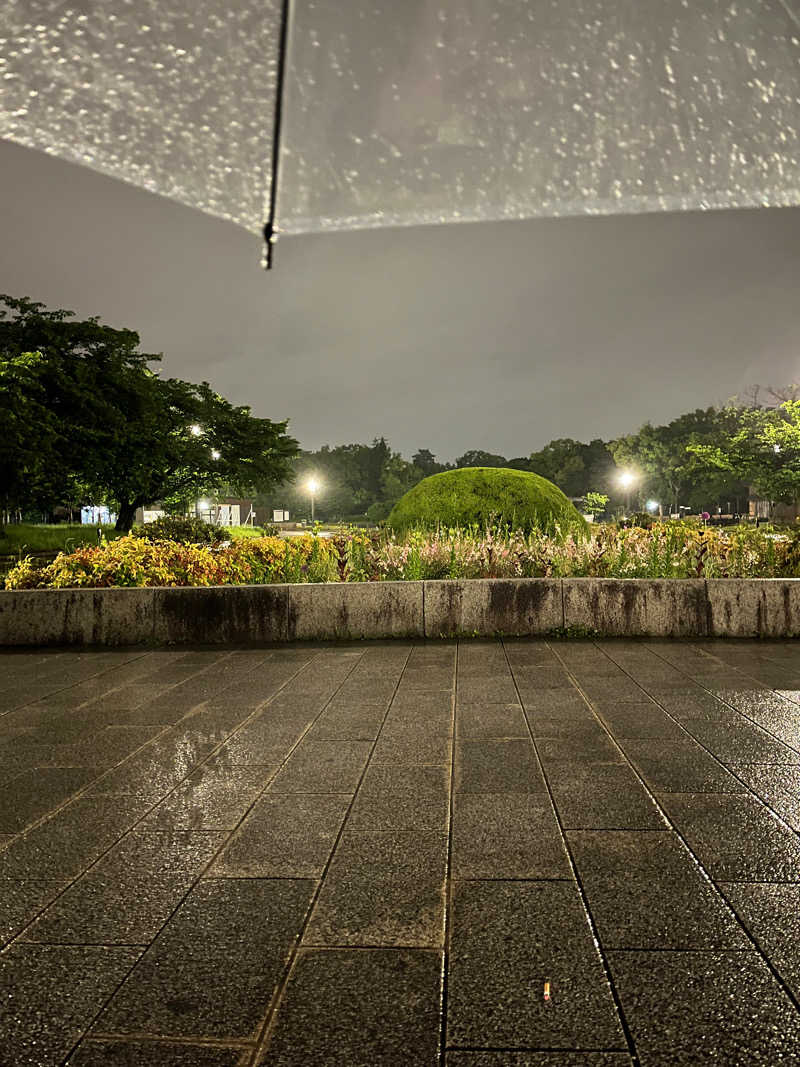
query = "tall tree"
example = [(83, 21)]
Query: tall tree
[(760, 446), (114, 430), (475, 457)]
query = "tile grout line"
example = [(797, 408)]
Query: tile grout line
[(448, 878), (266, 1030), (674, 829), (575, 874), (216, 854)]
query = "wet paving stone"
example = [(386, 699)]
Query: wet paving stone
[(507, 835), (602, 797), (646, 892), (402, 798), (492, 766), (63, 846), (490, 720), (507, 940), (379, 1007), (128, 895), (30, 795), (382, 889), (349, 722), (215, 966), (267, 877), (690, 1008), (21, 901), (778, 787), (641, 721), (323, 767), (50, 995), (735, 837), (679, 767), (770, 914), (411, 749), (285, 836), (537, 1059), (208, 800), (93, 1053)]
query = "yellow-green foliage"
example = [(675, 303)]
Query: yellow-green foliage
[(487, 495), (667, 550)]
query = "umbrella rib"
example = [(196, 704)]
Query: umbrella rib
[(270, 228)]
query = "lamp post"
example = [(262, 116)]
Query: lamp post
[(312, 485)]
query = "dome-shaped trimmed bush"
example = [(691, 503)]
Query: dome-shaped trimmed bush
[(496, 495)]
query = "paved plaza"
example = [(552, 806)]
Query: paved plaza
[(473, 854)]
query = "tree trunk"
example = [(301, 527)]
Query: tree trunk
[(125, 516)]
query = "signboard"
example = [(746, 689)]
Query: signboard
[(280, 516)]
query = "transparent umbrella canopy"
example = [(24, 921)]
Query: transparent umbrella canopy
[(411, 112)]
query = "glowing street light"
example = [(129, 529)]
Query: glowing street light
[(313, 486), (652, 506), (214, 453), (196, 431), (627, 480)]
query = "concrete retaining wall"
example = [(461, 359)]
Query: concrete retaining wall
[(253, 614)]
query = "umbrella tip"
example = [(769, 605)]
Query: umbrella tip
[(270, 233)]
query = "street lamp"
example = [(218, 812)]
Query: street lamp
[(627, 480), (313, 486), (196, 431)]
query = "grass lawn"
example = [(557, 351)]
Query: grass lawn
[(27, 537)]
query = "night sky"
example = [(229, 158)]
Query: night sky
[(494, 336)]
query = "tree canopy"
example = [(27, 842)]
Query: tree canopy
[(90, 420)]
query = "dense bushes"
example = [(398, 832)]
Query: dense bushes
[(668, 550), (487, 495), (182, 529)]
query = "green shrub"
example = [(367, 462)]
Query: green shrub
[(487, 496), (183, 531)]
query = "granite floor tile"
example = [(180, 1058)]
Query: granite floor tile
[(349, 722), (382, 889), (735, 837), (66, 844), (506, 940), (31, 795), (21, 901), (402, 798), (490, 720), (554, 702), (641, 721), (742, 743), (492, 766), (686, 1009), (770, 914), (208, 800), (537, 1059), (285, 836), (158, 767), (215, 967), (128, 895), (352, 1007), (590, 748), (507, 835), (602, 797), (679, 767), (99, 1053), (323, 767), (483, 689), (412, 750), (646, 892), (778, 787), (50, 995)]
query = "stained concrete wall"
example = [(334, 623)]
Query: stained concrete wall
[(480, 607)]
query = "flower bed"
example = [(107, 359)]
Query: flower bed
[(667, 550)]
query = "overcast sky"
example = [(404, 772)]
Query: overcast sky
[(494, 336)]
